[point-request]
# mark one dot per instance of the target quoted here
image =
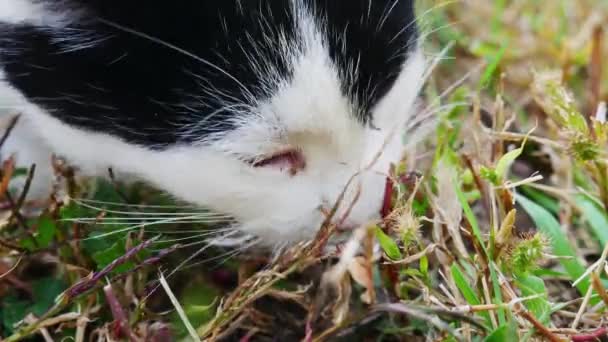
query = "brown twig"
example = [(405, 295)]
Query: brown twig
[(599, 287), (595, 69), (9, 129)]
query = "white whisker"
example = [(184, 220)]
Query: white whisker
[(431, 67), (421, 17), (226, 255), (119, 204), (201, 235), (431, 110), (131, 213), (114, 221), (460, 81), (169, 220), (181, 232)]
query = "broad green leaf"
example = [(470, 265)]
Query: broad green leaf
[(560, 244), (389, 246), (504, 163), (504, 333), (45, 292), (541, 199), (506, 160), (94, 245), (543, 272), (46, 232), (595, 217), (531, 285), (28, 243), (199, 301), (13, 311)]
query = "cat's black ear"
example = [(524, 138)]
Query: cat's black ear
[(376, 36)]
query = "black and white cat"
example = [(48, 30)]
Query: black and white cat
[(258, 109)]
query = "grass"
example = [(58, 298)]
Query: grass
[(500, 234)]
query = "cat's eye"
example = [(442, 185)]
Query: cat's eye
[(291, 161)]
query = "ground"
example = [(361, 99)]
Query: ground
[(494, 229)]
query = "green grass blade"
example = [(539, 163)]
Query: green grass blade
[(468, 213), (504, 333), (467, 291), (463, 285), (497, 294), (595, 217), (486, 78)]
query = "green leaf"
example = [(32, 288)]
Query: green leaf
[(560, 244), (28, 243), (424, 266), (106, 191), (504, 333), (541, 198), (46, 291), (497, 25), (458, 96), (489, 174), (199, 301), (463, 285), (543, 272), (106, 257), (504, 163), (46, 232), (497, 293), (13, 311), (467, 291), (595, 217), (486, 78), (389, 246), (420, 207), (93, 245), (412, 272), (468, 213), (531, 285)]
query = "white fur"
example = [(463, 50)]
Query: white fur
[(30, 12), (309, 113)]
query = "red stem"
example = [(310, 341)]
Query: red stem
[(593, 336)]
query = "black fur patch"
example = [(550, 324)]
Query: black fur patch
[(109, 72)]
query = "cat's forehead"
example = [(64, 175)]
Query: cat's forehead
[(149, 67)]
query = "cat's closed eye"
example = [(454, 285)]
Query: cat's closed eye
[(290, 160)]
